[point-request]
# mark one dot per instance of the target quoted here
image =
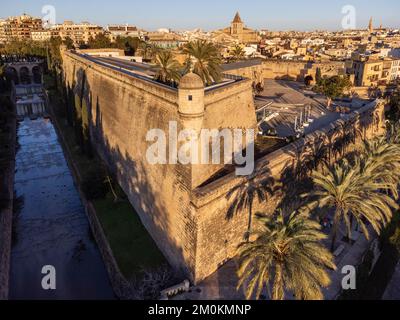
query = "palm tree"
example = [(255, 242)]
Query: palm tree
[(167, 67), (204, 60), (394, 133), (352, 194), (1, 70), (2, 74), (255, 188), (152, 51), (149, 51), (237, 53), (287, 255), (380, 160)]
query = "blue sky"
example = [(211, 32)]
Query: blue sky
[(212, 14)]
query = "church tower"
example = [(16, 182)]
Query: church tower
[(237, 27), (371, 26)]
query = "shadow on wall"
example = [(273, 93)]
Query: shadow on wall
[(130, 174), (323, 149)]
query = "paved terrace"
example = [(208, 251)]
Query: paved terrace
[(283, 101), (393, 289), (222, 284), (241, 64), (146, 71)]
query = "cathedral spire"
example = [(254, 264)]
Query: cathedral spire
[(237, 18), (371, 26)]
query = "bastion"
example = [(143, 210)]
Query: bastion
[(183, 206)]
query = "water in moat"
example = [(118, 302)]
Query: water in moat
[(50, 226)]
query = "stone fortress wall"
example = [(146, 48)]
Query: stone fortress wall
[(122, 109), (298, 70), (211, 202), (186, 218), (259, 69)]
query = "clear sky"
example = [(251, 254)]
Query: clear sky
[(212, 14)]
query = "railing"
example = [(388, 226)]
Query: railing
[(20, 60), (232, 77)]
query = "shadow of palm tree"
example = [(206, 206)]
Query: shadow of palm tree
[(258, 187)]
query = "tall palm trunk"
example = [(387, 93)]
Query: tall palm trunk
[(335, 227), (350, 228), (247, 236), (277, 290)]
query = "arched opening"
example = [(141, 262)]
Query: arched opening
[(37, 74), (308, 80), (24, 75), (12, 75)]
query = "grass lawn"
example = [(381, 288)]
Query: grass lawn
[(131, 244)]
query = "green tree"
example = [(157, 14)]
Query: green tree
[(87, 146), (148, 51), (287, 256), (69, 43), (204, 60), (78, 121), (333, 87), (237, 53), (167, 68), (380, 160), (2, 76), (318, 76), (393, 114), (353, 195), (128, 44), (394, 133), (100, 41)]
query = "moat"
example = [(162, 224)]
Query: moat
[(50, 225)]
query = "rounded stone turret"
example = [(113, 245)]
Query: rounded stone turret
[(191, 101), (191, 81)]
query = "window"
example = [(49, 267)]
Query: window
[(190, 98)]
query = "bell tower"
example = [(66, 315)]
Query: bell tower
[(371, 26), (237, 27)]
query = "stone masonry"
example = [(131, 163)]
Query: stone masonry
[(185, 215)]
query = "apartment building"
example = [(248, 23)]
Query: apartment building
[(79, 33), (126, 30), (372, 72), (43, 35), (395, 70), (19, 28), (3, 32)]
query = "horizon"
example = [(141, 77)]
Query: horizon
[(254, 13)]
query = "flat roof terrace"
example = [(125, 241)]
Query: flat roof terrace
[(287, 108), (241, 64), (147, 71)]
